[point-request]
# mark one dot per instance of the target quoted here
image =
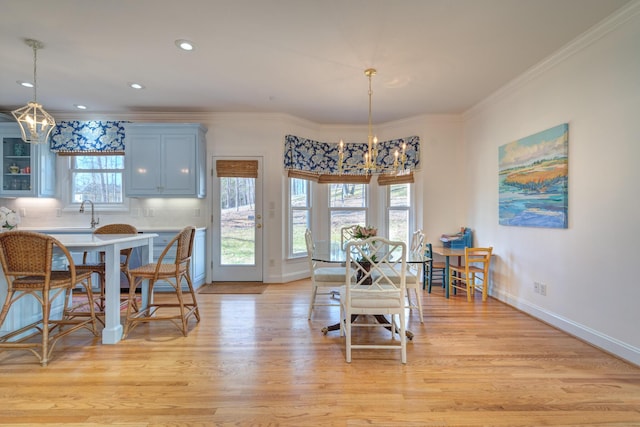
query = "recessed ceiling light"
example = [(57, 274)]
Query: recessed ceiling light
[(185, 45), (25, 84), (136, 86), (80, 106)]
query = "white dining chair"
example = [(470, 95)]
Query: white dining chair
[(379, 265), (414, 273), (322, 276)]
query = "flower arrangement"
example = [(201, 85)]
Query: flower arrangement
[(361, 232), (9, 219)]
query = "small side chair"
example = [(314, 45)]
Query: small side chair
[(435, 269), (467, 276)]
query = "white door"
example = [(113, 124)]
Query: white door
[(237, 219)]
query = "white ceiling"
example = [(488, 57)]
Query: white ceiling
[(302, 57)]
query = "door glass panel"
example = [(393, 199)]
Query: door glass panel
[(237, 221)]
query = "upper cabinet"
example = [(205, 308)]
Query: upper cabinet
[(165, 160), (28, 170)]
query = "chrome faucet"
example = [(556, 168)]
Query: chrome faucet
[(94, 221)]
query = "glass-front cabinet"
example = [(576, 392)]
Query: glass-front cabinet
[(28, 170)]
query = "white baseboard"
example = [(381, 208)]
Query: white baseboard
[(593, 337), (286, 278)]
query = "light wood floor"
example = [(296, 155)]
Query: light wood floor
[(256, 360)]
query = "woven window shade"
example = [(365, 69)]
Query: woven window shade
[(344, 179), (237, 168), (309, 176), (395, 179)]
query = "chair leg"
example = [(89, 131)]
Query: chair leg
[(69, 313), (347, 328), (314, 292), (133, 284), (485, 286), (102, 299), (183, 316), (46, 310), (403, 338), (196, 310), (419, 299)]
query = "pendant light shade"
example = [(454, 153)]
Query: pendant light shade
[(35, 123)]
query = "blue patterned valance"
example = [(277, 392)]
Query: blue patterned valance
[(307, 155), (88, 137)]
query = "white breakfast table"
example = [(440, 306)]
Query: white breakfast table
[(111, 245)]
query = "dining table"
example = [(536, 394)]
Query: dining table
[(111, 245), (447, 253), (337, 255)]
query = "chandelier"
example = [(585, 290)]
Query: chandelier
[(370, 164), (35, 123)]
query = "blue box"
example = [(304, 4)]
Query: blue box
[(458, 241)]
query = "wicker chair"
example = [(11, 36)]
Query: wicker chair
[(26, 259), (99, 266), (172, 273)]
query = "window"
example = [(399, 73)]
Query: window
[(399, 218), (348, 205), (299, 215), (97, 178)]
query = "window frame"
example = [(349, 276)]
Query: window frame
[(67, 187), (308, 208), (330, 209), (410, 209)]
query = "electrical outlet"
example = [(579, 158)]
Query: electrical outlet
[(196, 212), (23, 212), (543, 289), (58, 212)]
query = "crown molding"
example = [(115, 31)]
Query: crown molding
[(595, 33)]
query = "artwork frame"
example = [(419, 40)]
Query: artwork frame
[(533, 179)]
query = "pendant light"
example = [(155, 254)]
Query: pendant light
[(35, 123)]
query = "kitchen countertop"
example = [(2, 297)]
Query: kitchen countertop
[(51, 229)]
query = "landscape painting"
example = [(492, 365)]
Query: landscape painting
[(533, 179)]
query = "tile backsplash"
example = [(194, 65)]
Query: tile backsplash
[(49, 212)]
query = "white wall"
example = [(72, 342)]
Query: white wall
[(589, 268)]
